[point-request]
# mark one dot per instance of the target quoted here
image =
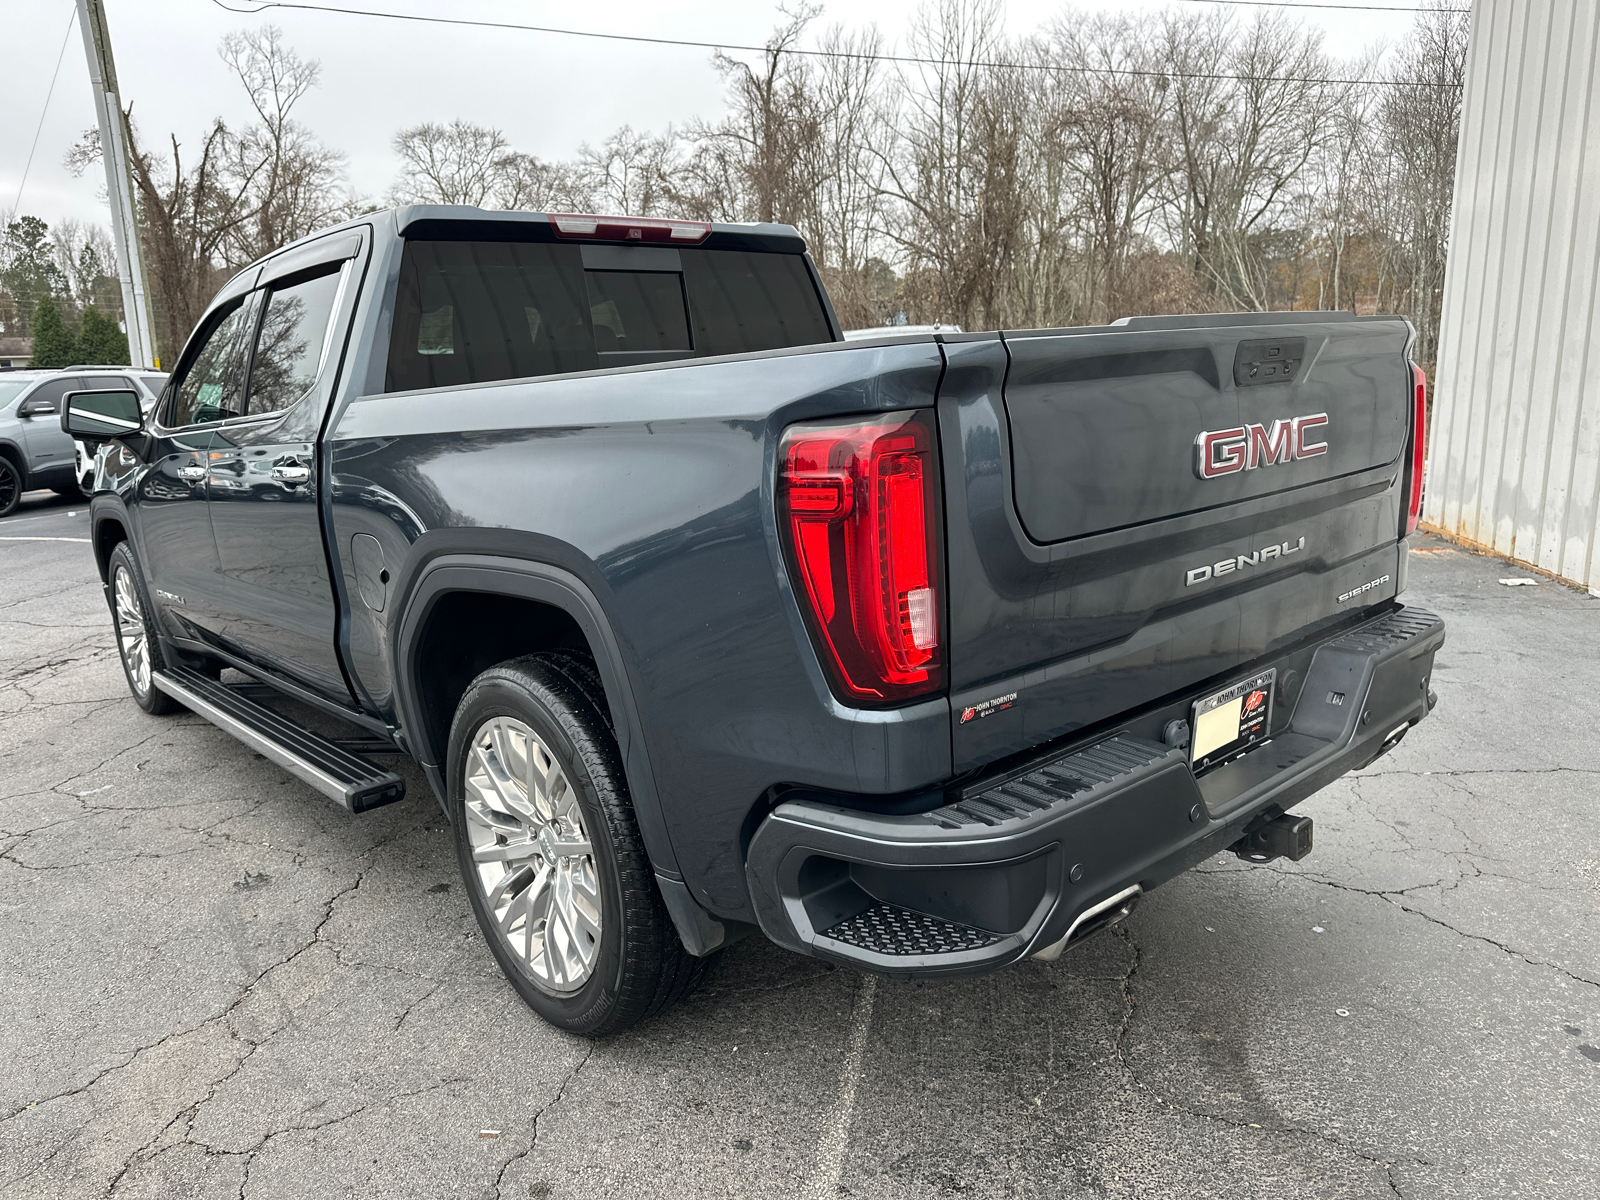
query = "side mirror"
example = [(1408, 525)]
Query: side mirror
[(97, 416), (36, 408)]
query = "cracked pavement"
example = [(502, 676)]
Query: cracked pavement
[(218, 984)]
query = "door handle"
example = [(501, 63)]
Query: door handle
[(192, 473), (291, 473)]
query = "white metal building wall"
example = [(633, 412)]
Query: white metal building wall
[(1514, 456)]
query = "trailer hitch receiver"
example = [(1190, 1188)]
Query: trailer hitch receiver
[(1284, 836)]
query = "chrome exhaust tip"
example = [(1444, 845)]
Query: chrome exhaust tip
[(1092, 920)]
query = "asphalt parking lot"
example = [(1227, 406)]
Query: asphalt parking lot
[(218, 984)]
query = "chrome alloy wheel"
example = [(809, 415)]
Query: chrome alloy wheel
[(532, 855), (131, 637)]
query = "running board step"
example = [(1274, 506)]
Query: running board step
[(346, 778)]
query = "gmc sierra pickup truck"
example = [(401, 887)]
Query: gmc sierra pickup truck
[(923, 654)]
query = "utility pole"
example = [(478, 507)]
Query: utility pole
[(119, 182)]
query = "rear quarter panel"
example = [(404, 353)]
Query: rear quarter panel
[(654, 486)]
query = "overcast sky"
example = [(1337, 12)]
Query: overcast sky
[(549, 94)]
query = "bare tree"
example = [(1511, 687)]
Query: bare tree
[(840, 210), (1248, 113), (1114, 141), (458, 163), (630, 173), (86, 257), (950, 177), (238, 195), (1420, 124), (534, 185), (296, 184)]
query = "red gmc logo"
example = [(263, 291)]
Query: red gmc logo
[(1246, 447)]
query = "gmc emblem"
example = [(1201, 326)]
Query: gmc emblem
[(1246, 447)]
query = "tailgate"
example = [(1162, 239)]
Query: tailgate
[(1136, 510)]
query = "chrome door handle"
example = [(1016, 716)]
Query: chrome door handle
[(291, 473), (192, 474)]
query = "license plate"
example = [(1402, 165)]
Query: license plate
[(1225, 722)]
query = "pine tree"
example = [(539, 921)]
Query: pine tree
[(101, 342), (53, 343)]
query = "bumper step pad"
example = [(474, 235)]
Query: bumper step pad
[(348, 779), (885, 929), (1055, 784)]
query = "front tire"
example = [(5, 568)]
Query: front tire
[(10, 486), (551, 853), (136, 636)]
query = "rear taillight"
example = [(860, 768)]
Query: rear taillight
[(857, 505), (1419, 445), (629, 229)]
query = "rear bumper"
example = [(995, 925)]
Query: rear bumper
[(1005, 869)]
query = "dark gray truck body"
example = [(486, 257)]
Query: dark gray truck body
[(634, 511)]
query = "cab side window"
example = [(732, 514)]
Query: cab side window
[(209, 389), (289, 346)]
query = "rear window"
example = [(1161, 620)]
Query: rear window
[(474, 312)]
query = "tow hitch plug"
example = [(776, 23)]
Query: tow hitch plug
[(1283, 836)]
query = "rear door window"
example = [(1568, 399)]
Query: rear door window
[(46, 398), (474, 312)]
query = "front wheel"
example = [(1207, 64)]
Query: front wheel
[(136, 638), (10, 486), (551, 853)]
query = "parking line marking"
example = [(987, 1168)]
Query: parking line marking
[(824, 1184), (43, 539)]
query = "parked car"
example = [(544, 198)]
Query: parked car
[(34, 451), (922, 655)]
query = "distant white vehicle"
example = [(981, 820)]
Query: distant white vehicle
[(878, 331)]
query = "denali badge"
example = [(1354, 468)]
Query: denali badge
[(1228, 565), (1245, 447)]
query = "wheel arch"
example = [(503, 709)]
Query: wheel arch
[(493, 578), (108, 525), (13, 453)]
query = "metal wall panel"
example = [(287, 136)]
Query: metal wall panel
[(1514, 455)]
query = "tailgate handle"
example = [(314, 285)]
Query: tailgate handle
[(1268, 360)]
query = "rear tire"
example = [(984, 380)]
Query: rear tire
[(137, 644), (551, 853)]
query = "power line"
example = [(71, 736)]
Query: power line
[(71, 20), (1346, 7), (857, 56)]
